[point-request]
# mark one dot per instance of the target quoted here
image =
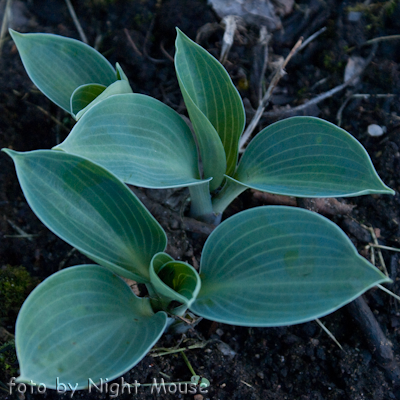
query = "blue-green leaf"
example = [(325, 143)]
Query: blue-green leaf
[(58, 65), (90, 209), (210, 87), (141, 140), (275, 265), (214, 107), (308, 157), (83, 323)]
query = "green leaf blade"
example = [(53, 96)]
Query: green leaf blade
[(274, 266), (308, 157), (58, 65), (83, 322), (90, 209), (208, 91), (211, 150), (138, 138)]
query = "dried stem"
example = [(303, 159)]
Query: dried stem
[(322, 96), (76, 22), (4, 24), (280, 72), (376, 40), (132, 43)]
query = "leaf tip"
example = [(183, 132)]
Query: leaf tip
[(16, 36), (13, 33), (58, 148), (383, 189), (9, 152), (389, 191), (180, 35)]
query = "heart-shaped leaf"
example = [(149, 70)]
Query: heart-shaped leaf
[(172, 281), (308, 157), (141, 140), (90, 209), (275, 265), (58, 65), (83, 323)]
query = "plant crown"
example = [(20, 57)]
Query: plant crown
[(266, 266)]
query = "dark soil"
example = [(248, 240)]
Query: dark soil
[(298, 362)]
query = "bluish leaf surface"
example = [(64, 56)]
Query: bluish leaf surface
[(57, 65), (210, 87), (141, 140), (308, 157), (275, 265), (83, 323), (90, 209)]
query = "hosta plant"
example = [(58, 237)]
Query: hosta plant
[(267, 266)]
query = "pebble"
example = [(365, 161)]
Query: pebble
[(376, 130), (354, 16), (226, 350)]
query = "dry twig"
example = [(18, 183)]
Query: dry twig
[(376, 40), (280, 72), (322, 96), (132, 43), (4, 24), (76, 22)]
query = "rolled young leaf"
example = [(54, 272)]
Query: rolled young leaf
[(119, 87), (84, 95), (83, 323), (90, 209), (172, 281), (57, 65), (138, 138), (308, 157), (120, 73), (276, 265)]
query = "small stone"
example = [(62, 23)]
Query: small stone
[(198, 397), (219, 332), (354, 16), (226, 350), (260, 375), (354, 67), (375, 130)]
